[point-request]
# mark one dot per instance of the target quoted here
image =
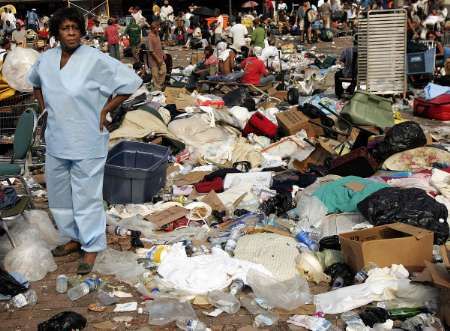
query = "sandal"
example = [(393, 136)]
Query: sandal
[(84, 268), (86, 265), (62, 250)]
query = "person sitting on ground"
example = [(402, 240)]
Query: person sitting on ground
[(204, 68), (348, 59), (225, 57), (270, 53), (255, 72), (258, 34), (194, 37)]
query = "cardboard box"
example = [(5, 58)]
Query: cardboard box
[(389, 244), (292, 121)]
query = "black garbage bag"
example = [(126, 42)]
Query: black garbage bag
[(407, 205), (399, 138), (9, 285), (341, 270), (278, 204), (65, 321), (373, 315)]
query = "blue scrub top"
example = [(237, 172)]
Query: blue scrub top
[(74, 97)]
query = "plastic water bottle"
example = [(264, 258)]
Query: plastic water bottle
[(363, 274), (353, 321), (224, 301), (232, 240), (191, 325), (118, 230), (265, 319), (305, 238), (236, 287), (24, 299), (61, 283), (418, 322), (79, 291)]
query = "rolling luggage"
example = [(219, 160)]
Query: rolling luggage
[(437, 108)]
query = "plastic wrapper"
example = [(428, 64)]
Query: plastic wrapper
[(311, 210), (163, 311), (32, 259), (411, 206), (401, 137), (65, 321), (16, 67), (287, 295), (47, 231), (9, 286), (122, 265), (310, 267)]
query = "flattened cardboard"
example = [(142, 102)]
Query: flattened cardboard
[(167, 216), (292, 121), (385, 245), (213, 200)]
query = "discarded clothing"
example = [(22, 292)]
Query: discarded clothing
[(343, 195)]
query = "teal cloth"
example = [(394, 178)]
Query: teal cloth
[(339, 199)]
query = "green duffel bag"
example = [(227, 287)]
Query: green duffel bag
[(369, 109)]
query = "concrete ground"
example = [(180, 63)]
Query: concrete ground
[(50, 302)]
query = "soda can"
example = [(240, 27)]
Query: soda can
[(62, 284)]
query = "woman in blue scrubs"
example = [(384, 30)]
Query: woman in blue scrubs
[(78, 86)]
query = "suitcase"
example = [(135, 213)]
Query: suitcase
[(260, 125), (359, 162), (437, 108)]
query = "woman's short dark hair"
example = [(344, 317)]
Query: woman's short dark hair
[(63, 14)]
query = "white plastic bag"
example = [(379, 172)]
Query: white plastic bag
[(122, 265), (287, 295), (47, 231), (16, 67), (164, 311), (32, 259)]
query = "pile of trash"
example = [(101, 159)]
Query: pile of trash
[(247, 201)]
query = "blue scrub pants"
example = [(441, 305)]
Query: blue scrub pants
[(75, 197)]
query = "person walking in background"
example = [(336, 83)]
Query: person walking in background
[(133, 31), (112, 37), (167, 19), (325, 13), (238, 33), (32, 19), (19, 36), (156, 57), (78, 86), (258, 34)]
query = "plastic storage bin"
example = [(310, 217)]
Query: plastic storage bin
[(134, 172)]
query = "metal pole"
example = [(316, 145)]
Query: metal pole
[(229, 7), (107, 8), (68, 3)]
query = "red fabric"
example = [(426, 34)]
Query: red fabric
[(207, 186), (260, 125), (181, 222), (112, 34), (254, 69)]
